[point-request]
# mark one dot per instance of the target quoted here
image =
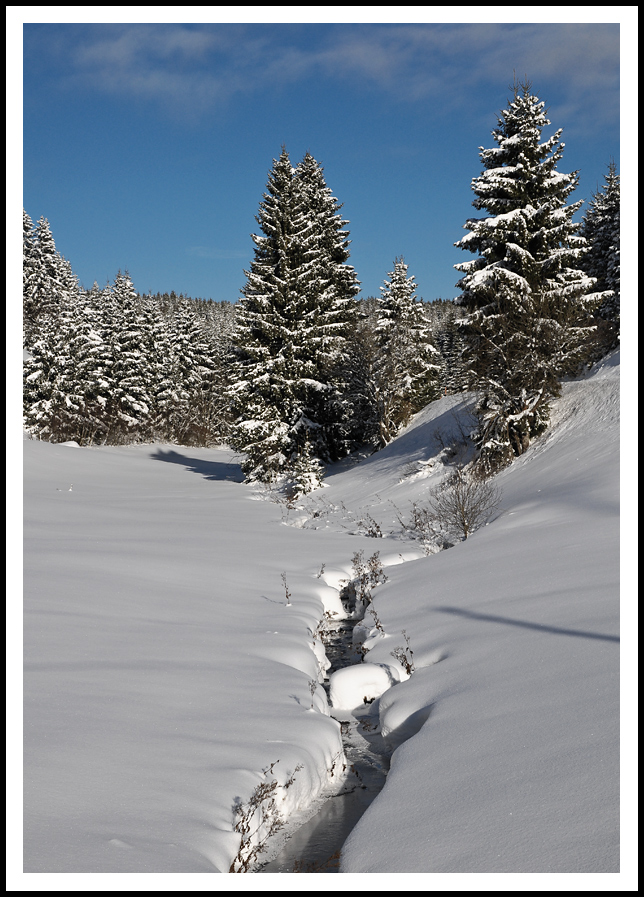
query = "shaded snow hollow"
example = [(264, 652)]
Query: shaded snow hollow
[(164, 670)]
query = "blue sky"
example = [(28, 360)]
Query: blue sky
[(147, 146)]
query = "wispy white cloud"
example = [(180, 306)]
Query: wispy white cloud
[(194, 68), (129, 45)]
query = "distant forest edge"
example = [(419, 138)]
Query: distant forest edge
[(300, 371)]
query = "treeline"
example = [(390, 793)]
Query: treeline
[(108, 365), (299, 372), (111, 366)]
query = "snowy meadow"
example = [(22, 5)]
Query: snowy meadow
[(174, 656)]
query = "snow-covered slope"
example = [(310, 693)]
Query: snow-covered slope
[(516, 767), (164, 671)]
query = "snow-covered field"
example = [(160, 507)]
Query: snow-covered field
[(167, 676)]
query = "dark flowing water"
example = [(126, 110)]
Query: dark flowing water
[(316, 845)]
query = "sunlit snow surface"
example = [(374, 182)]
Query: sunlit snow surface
[(164, 670)]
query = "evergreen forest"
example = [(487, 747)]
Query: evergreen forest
[(301, 370)]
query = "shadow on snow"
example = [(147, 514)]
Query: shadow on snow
[(211, 470), (492, 618), (422, 440)]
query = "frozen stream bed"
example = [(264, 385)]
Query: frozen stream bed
[(316, 845)]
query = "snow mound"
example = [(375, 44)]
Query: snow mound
[(355, 686)]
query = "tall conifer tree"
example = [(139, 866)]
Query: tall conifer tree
[(290, 327), (47, 279), (68, 382), (600, 227), (528, 302), (130, 338), (407, 368), (334, 310), (193, 404)]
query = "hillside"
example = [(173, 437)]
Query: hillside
[(516, 767)]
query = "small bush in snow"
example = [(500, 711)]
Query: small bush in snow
[(256, 821), (367, 576), (461, 504), (422, 522), (376, 570), (376, 620), (371, 526), (286, 589), (378, 624), (405, 656), (259, 818)]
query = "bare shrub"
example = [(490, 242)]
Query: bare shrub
[(462, 503), (377, 621), (422, 522), (405, 656), (371, 526), (376, 570), (286, 589), (367, 576), (259, 818), (259, 811), (421, 526)]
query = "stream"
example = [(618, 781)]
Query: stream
[(316, 845)]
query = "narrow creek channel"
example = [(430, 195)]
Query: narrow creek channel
[(316, 845)]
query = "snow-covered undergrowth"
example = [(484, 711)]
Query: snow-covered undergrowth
[(169, 678)]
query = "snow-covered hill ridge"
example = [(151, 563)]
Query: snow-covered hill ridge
[(164, 670)]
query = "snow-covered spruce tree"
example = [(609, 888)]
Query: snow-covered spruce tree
[(337, 313), (600, 228), (67, 378), (47, 279), (305, 473), (220, 317), (408, 365), (289, 333), (29, 269), (192, 405), (360, 378), (443, 316), (528, 302), (264, 398), (133, 371), (323, 210)]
